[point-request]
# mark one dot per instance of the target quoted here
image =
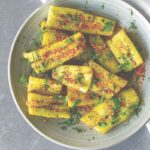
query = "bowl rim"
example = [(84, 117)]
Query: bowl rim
[(22, 113)]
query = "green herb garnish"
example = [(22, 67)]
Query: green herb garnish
[(57, 97), (37, 43), (117, 103), (79, 129), (23, 80), (80, 78), (133, 25), (66, 100), (69, 40), (75, 119), (46, 85), (103, 6), (77, 102), (86, 2), (93, 55), (137, 108), (74, 17), (95, 39), (131, 12), (115, 120), (108, 26), (101, 99), (102, 124)]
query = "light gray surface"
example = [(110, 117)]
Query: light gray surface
[(15, 133)]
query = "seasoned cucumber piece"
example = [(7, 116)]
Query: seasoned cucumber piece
[(98, 113), (76, 77), (125, 51), (50, 36), (105, 56), (110, 113), (130, 101), (57, 49), (47, 106), (82, 98), (49, 57), (43, 86), (76, 20), (105, 83)]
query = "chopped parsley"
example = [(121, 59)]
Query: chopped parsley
[(69, 40), (115, 120), (101, 99), (75, 119), (137, 108), (37, 43), (80, 77), (74, 17), (102, 124), (76, 102), (108, 26), (23, 80), (93, 55), (133, 25), (57, 97), (117, 103), (86, 2), (46, 85), (131, 12), (79, 129), (103, 6), (66, 100), (95, 39)]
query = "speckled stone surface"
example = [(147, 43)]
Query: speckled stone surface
[(15, 133)]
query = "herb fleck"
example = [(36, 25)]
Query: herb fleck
[(117, 103), (108, 26), (102, 124), (79, 129), (75, 119), (103, 6), (95, 39), (101, 99), (133, 25), (131, 12), (23, 80), (93, 55), (137, 108), (115, 120), (80, 78), (76, 102), (46, 85), (69, 40)]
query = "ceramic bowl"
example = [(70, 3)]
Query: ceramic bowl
[(124, 14)]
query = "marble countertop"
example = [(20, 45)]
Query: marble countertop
[(15, 133)]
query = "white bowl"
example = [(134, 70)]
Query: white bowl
[(116, 9)]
